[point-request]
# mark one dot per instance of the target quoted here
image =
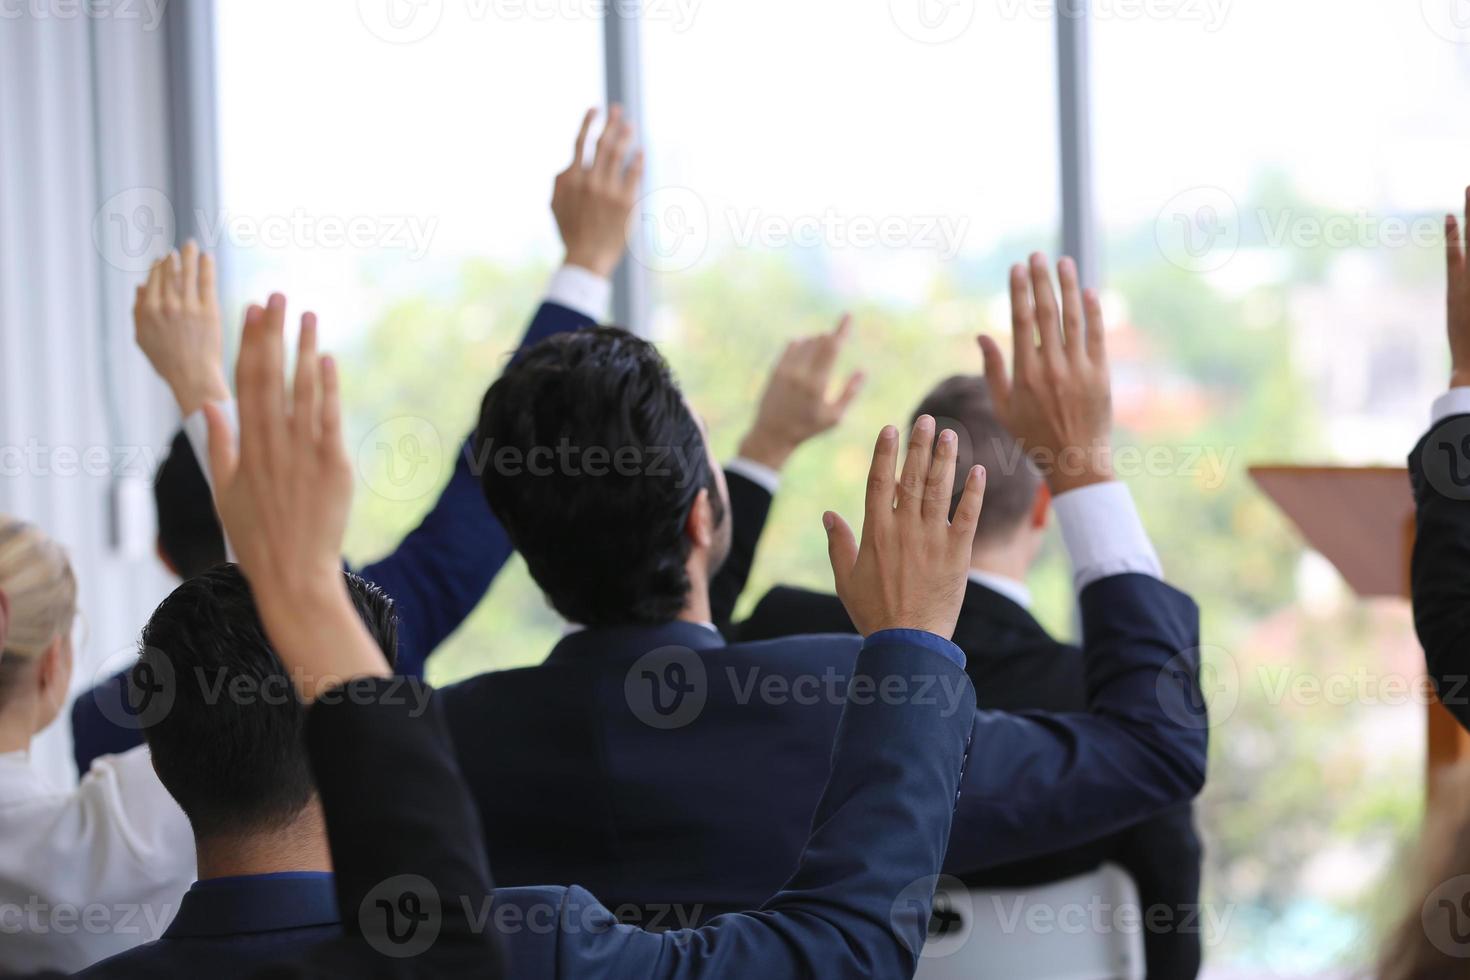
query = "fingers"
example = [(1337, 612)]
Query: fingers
[(1097, 332), (967, 512), (1072, 329), (842, 549), (206, 279), (826, 347), (602, 159), (223, 454), (331, 409), (995, 373), (633, 176), (940, 485), (1023, 320), (850, 391), (249, 376), (305, 424), (1048, 321), (581, 146), (189, 260), (878, 507), (916, 466)]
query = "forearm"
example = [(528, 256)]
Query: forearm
[(1040, 782), (425, 830), (858, 904)]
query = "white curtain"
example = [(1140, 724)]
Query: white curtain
[(86, 189)]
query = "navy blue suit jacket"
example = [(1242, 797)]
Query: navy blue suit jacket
[(576, 786), (230, 927), (857, 905), (437, 575)]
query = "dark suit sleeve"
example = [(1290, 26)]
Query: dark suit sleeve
[(441, 569), (1440, 568), (404, 834), (750, 505), (859, 902), (1041, 782), (94, 731)]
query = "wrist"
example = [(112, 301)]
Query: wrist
[(769, 451), (1460, 378), (597, 263), (192, 392)]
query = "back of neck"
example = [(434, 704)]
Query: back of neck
[(298, 846)]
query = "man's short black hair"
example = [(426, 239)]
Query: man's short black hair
[(228, 746), (963, 403), (189, 533), (591, 459)]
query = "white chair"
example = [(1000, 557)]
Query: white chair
[(1083, 928)]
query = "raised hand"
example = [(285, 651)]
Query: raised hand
[(283, 497), (795, 405), (592, 202), (909, 572), (177, 324), (1059, 405), (1458, 295)]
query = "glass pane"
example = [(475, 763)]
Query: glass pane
[(889, 159), (389, 166), (1272, 179)]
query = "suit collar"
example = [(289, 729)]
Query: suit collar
[(633, 641), (256, 903), (986, 603), (1013, 589)]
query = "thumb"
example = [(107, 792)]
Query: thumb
[(995, 372), (842, 549), (224, 456)]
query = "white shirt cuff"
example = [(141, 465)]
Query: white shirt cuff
[(196, 430), (1456, 401), (581, 292), (758, 473), (1103, 534)]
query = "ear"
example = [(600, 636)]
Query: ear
[(163, 557), (1041, 507), (53, 672), (699, 526)]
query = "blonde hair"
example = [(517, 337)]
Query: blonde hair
[(36, 576)]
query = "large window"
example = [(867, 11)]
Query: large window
[(389, 165), (884, 159), (1268, 183), (1271, 181)]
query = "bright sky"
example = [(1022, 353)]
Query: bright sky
[(445, 142)]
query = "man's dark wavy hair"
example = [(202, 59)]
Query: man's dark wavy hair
[(591, 460)]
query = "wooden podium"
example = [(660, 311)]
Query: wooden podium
[(1361, 519)]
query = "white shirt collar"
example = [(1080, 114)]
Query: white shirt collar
[(1013, 590)]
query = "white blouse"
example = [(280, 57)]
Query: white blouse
[(88, 872)]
